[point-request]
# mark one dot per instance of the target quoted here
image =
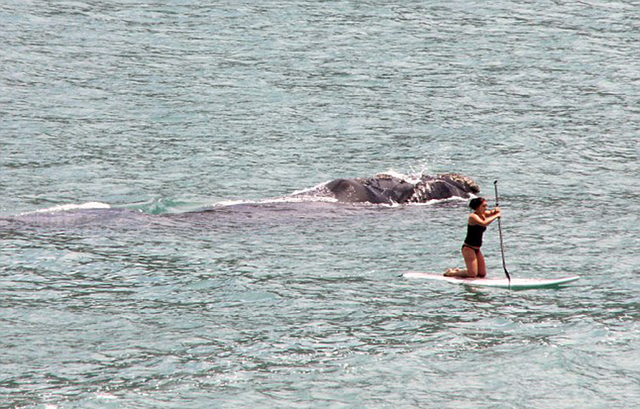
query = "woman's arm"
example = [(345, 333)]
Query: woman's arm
[(490, 218), (492, 212)]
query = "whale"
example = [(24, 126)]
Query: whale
[(383, 188), (391, 189)]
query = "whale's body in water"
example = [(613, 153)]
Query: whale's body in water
[(387, 189)]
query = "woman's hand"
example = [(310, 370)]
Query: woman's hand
[(494, 212)]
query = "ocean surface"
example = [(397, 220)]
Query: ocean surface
[(151, 254)]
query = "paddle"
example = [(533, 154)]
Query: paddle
[(504, 263)]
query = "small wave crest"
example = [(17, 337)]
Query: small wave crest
[(316, 193), (165, 206), (69, 207), (411, 178), (432, 202), (284, 199)]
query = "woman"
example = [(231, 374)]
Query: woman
[(473, 258)]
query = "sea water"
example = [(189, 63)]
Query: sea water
[(150, 257)]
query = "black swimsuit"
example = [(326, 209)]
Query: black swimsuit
[(474, 237)]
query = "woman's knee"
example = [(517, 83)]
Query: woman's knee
[(472, 269)]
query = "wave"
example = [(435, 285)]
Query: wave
[(69, 207)]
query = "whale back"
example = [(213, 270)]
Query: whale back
[(444, 186)]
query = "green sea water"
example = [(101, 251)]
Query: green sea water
[(121, 122)]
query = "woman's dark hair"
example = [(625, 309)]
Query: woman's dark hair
[(476, 202)]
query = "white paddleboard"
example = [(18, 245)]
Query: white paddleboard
[(516, 283)]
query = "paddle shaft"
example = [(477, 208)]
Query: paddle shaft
[(504, 263)]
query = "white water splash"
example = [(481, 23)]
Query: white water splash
[(68, 207)]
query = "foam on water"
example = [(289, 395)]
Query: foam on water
[(69, 207)]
